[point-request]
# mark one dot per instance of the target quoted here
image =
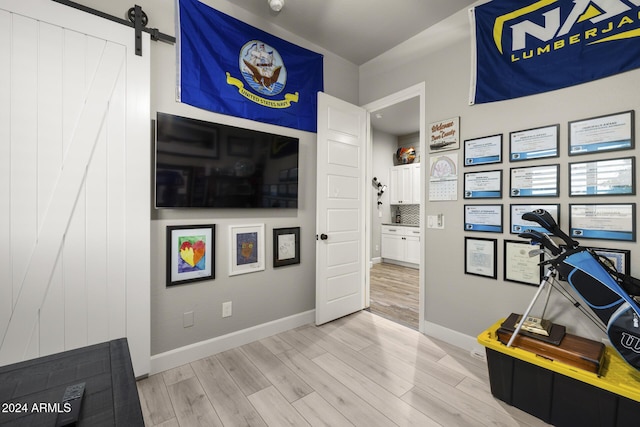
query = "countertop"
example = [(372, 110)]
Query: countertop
[(401, 224)]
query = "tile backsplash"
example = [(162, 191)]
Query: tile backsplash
[(410, 214)]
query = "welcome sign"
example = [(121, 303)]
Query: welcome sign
[(524, 48)]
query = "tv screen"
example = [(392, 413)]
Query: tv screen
[(211, 165)]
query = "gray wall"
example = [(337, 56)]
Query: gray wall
[(384, 147), (441, 58), (257, 297)]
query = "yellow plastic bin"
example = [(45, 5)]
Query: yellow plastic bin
[(560, 394)]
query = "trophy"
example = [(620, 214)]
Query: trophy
[(535, 325)]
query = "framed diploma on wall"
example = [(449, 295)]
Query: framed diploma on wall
[(618, 258), (521, 262), (480, 257)]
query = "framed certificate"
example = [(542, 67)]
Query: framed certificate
[(535, 181), (602, 177), (480, 257), (603, 133), (483, 218), (603, 221), (618, 258), (483, 185), (522, 262), (518, 225), (534, 143), (482, 151)]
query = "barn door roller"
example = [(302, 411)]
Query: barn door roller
[(138, 20)]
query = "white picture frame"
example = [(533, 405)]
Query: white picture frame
[(246, 249)]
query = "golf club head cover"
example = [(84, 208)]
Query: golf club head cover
[(544, 218), (541, 238)]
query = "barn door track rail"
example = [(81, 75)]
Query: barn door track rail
[(137, 20)]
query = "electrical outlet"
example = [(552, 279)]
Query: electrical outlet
[(226, 309), (187, 319), (479, 353)]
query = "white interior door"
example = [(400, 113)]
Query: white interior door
[(74, 183), (340, 220)]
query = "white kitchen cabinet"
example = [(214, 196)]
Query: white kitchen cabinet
[(412, 248), (404, 183), (400, 243), (392, 245)]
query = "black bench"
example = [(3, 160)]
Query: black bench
[(32, 391)]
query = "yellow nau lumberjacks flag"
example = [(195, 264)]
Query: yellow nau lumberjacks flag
[(528, 47)]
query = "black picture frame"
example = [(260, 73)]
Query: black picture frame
[(589, 227), (490, 150), (602, 139), (485, 193), (529, 269), (517, 227), (286, 246), (482, 262), (622, 258), (533, 189), (184, 262), (483, 218), (530, 138), (629, 189)]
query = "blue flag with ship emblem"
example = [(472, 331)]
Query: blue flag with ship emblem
[(232, 68), (524, 48)]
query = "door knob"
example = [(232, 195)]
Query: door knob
[(323, 236)]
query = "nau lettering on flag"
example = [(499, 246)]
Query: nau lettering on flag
[(232, 68), (524, 48)]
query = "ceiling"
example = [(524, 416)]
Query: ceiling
[(356, 30), (398, 119), (360, 30)]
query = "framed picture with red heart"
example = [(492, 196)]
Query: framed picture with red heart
[(190, 253)]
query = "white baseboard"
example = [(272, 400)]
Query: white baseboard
[(376, 260), (189, 353), (401, 263), (453, 337)]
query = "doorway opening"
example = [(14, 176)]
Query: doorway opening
[(396, 246)]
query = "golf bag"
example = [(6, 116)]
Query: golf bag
[(612, 296)]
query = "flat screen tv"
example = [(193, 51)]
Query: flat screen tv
[(211, 165)]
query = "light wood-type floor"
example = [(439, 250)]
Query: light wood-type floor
[(361, 370), (394, 293)]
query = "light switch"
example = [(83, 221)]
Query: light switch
[(226, 309)]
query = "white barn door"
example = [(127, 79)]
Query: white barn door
[(74, 183)]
